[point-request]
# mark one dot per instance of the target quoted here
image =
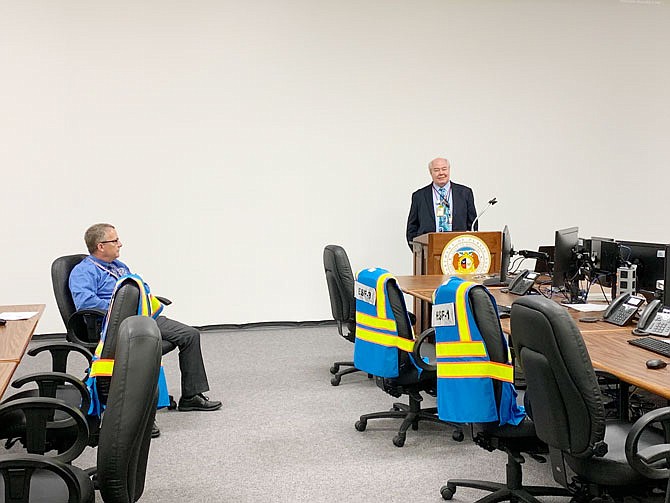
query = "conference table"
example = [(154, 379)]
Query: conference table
[(14, 338), (607, 344)]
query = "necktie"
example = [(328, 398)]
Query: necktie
[(443, 218)]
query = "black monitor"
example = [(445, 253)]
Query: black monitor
[(505, 252), (565, 241), (605, 256), (666, 282), (650, 261)]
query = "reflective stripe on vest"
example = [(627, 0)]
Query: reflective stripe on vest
[(377, 341), (102, 367), (467, 358), (380, 329)]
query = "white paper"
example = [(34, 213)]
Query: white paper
[(587, 308), (17, 315)]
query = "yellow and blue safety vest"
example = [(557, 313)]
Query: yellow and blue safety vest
[(377, 340), (465, 373), (104, 367)]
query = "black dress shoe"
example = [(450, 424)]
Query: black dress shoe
[(155, 432), (198, 402)]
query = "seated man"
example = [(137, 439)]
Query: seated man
[(92, 283)]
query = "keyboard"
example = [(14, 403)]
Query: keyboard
[(651, 344)]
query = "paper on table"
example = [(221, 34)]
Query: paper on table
[(17, 315), (587, 308)]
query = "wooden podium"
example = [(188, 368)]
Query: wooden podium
[(427, 250)]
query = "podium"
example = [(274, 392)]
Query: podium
[(465, 253)]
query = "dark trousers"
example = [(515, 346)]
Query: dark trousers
[(187, 339)]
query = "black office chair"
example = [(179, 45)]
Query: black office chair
[(340, 280), (83, 327), (410, 381), (515, 441), (568, 411), (124, 437)]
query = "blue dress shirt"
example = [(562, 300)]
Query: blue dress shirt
[(92, 282)]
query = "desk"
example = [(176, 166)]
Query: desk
[(606, 343), (6, 372), (14, 339)]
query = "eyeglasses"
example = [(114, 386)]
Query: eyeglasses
[(115, 241)]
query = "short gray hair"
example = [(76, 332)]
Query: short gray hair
[(94, 235)]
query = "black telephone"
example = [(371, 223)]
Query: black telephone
[(654, 320), (523, 282), (622, 309)]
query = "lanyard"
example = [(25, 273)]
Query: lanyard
[(445, 200), (114, 273)]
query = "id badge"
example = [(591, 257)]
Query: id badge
[(440, 212)]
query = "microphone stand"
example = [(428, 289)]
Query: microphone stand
[(491, 203)]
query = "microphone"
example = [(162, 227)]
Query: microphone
[(491, 203)]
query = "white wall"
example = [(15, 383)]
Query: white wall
[(230, 141)]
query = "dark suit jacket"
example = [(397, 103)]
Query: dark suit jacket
[(421, 217)]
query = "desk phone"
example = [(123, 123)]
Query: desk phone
[(523, 283), (622, 309), (654, 320)]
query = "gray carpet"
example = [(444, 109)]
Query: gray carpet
[(285, 434)]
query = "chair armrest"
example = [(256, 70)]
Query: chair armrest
[(84, 327), (163, 300), (38, 413), (23, 467), (645, 460), (60, 352), (426, 337), (47, 384)]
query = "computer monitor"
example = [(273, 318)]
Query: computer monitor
[(543, 265), (666, 282), (505, 252), (565, 241), (650, 259), (605, 255)]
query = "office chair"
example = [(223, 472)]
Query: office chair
[(83, 327), (568, 412), (340, 280), (515, 440), (407, 378), (124, 437)]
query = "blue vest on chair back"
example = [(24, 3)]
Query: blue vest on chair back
[(377, 340), (464, 371)]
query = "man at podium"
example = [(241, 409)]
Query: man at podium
[(441, 206)]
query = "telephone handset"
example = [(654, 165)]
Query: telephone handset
[(622, 309), (523, 282), (654, 320)]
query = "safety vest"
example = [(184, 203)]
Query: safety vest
[(377, 340), (465, 373), (104, 367)]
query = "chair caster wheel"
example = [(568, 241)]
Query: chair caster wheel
[(399, 440), (335, 381), (447, 492), (457, 435), (334, 369), (173, 404), (361, 425)]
